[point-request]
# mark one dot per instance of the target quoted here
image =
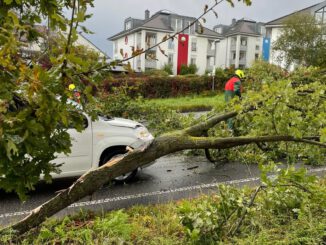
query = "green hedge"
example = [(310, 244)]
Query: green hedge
[(163, 87)]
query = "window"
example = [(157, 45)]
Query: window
[(244, 42), (171, 44), (257, 47), (256, 56), (320, 15), (178, 25), (170, 59), (191, 29), (128, 25), (218, 30), (211, 45), (194, 45), (242, 55), (193, 60)]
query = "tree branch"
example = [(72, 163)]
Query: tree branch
[(161, 146), (67, 49), (201, 128)]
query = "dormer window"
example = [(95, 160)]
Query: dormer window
[(320, 16), (128, 25), (177, 25)]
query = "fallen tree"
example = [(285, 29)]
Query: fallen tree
[(189, 138)]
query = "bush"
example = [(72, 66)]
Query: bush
[(157, 72), (162, 87), (168, 68), (263, 72), (191, 69)]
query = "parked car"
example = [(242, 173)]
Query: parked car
[(100, 141)]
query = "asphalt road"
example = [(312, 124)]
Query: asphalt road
[(170, 178)]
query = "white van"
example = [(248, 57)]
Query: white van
[(100, 141)]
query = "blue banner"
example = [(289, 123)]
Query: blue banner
[(266, 48)]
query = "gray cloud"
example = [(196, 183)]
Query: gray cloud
[(109, 15)]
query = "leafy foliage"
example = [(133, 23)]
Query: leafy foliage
[(34, 111), (191, 69), (286, 195), (168, 69), (162, 87), (302, 41), (279, 107)]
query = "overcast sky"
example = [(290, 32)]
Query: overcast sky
[(109, 15)]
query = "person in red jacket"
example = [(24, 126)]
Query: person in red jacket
[(233, 88)]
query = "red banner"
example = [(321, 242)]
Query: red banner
[(183, 43)]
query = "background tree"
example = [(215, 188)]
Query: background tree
[(302, 41)]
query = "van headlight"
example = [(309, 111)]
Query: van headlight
[(143, 134)]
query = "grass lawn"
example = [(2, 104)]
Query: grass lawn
[(189, 103)]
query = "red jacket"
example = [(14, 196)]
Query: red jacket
[(234, 85)]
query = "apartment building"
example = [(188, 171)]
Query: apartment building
[(242, 43), (192, 46)]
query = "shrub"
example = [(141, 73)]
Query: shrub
[(191, 69), (157, 72), (162, 87), (263, 72), (168, 68)]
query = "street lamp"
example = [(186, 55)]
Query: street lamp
[(213, 75)]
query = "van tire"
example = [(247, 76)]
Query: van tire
[(126, 178)]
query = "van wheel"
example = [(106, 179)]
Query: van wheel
[(125, 178)]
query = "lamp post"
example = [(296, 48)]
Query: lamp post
[(213, 75)]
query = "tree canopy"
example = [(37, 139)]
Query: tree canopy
[(302, 41)]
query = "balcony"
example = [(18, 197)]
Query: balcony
[(233, 46), (243, 47), (150, 40), (210, 52), (152, 64), (243, 61)]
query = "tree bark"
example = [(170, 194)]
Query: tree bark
[(91, 181)]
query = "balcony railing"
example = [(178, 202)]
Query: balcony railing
[(243, 61), (233, 46), (151, 64), (243, 47), (210, 52)]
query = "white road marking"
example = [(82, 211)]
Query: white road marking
[(155, 193)]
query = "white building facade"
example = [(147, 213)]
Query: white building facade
[(190, 47), (242, 43)]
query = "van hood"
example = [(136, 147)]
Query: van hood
[(121, 122)]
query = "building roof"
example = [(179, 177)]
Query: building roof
[(310, 10), (243, 26), (95, 47), (160, 21)]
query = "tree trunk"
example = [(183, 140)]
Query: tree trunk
[(161, 146)]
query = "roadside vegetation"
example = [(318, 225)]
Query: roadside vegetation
[(288, 208), (189, 103)]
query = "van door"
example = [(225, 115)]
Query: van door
[(80, 158)]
